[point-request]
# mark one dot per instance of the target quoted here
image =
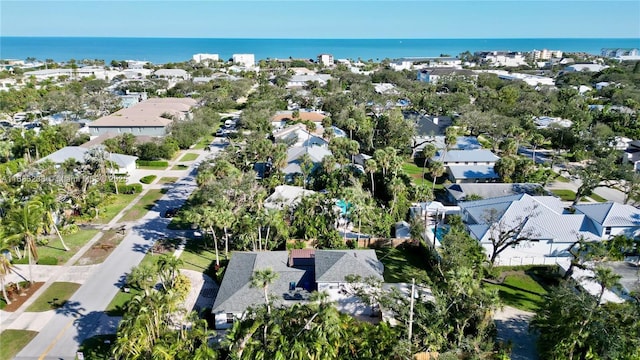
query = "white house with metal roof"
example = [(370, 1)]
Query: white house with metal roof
[(286, 196), (464, 166), (551, 229), (611, 219)]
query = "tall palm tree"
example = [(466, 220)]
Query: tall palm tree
[(26, 224), (168, 268), (427, 153), (262, 279), (225, 221), (6, 267), (51, 206)]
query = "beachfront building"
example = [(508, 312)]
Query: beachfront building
[(585, 68), (621, 54), (545, 54), (502, 58), (147, 118), (247, 60), (82, 72), (325, 59), (205, 57)]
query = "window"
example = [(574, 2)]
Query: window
[(607, 230), (230, 318)]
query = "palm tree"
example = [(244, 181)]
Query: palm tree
[(5, 265), (536, 141), (351, 124), (26, 224), (51, 206), (225, 221), (606, 278), (436, 169), (427, 153), (262, 279), (167, 268), (371, 166)]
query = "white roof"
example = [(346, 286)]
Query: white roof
[(286, 196)]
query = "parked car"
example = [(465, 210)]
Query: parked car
[(171, 212)]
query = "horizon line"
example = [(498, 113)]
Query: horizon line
[(319, 38)]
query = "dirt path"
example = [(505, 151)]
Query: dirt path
[(513, 325)]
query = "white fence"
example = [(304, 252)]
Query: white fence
[(532, 260)]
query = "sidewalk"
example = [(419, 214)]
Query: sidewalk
[(79, 274)]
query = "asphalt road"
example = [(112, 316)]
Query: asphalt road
[(81, 317)]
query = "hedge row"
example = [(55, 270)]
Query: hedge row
[(148, 179), (153, 163), (123, 189)]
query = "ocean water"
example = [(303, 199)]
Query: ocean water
[(163, 50)]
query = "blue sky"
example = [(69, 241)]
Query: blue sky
[(323, 19)]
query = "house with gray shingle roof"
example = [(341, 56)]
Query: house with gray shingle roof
[(611, 219), (460, 192), (299, 273), (294, 154)]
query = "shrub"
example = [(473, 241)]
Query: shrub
[(152, 163), (181, 285), (148, 179), (130, 189), (48, 260), (69, 229)]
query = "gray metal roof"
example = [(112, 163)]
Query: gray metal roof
[(316, 153), (473, 172), (492, 190), (453, 156), (335, 265), (611, 214), (543, 217), (78, 153)]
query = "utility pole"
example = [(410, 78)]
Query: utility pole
[(413, 285)]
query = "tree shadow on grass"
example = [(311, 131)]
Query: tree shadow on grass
[(95, 323)]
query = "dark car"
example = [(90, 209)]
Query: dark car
[(171, 212)]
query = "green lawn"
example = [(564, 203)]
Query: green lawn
[(143, 206), (167, 180), (415, 173), (12, 341), (54, 297), (180, 167), (98, 347), (152, 167), (561, 178), (565, 194), (204, 142), (197, 257), (520, 290), (401, 265), (189, 157), (73, 241), (597, 197), (111, 210)]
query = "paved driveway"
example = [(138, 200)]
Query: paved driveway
[(82, 317), (513, 326)]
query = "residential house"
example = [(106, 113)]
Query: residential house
[(462, 143), (281, 118), (151, 117), (585, 67), (294, 155), (122, 163), (300, 272), (286, 196), (172, 74), (611, 219), (325, 59), (435, 75), (136, 64), (461, 192), (549, 228), (297, 135), (299, 81), (246, 60), (465, 166), (427, 125), (544, 122), (81, 72)]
